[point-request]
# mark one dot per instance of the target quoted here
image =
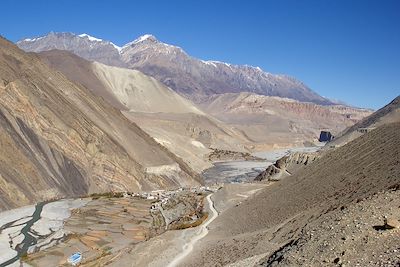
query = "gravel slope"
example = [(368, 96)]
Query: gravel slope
[(280, 214)]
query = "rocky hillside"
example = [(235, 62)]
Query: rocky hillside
[(387, 114), (58, 139), (82, 45), (287, 165), (196, 78), (141, 93), (170, 119), (245, 121), (328, 213), (172, 66), (277, 120)]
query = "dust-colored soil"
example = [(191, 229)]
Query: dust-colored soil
[(353, 235), (283, 214), (388, 114), (100, 231), (226, 155), (286, 165), (273, 122), (59, 139), (173, 121), (107, 229)]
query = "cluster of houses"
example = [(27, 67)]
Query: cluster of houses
[(162, 196)]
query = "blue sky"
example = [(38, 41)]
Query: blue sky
[(347, 50)]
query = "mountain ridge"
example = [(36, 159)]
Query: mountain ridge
[(191, 77), (60, 140)]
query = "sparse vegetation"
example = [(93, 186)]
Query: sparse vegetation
[(95, 196), (24, 257), (185, 225)]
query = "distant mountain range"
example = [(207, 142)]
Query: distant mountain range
[(190, 77)]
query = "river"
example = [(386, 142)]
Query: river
[(246, 171), (29, 240), (34, 227), (28, 228)]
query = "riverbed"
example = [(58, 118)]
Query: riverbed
[(245, 171), (28, 229), (39, 227)]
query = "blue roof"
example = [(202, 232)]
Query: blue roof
[(75, 258)]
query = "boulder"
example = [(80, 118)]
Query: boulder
[(391, 223), (325, 136)]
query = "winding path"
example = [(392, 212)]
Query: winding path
[(202, 231)]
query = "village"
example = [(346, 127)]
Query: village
[(176, 208)]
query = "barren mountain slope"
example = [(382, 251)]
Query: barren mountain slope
[(191, 135), (141, 93), (191, 77), (79, 71), (387, 114), (83, 45), (276, 225), (61, 140), (172, 120), (287, 165), (196, 78), (278, 120)]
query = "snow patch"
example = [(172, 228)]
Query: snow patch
[(139, 40), (94, 39), (220, 62), (91, 38), (209, 63), (116, 47), (32, 40), (143, 38)]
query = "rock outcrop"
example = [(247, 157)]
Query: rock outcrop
[(324, 211), (227, 155), (325, 136), (281, 121), (286, 165), (388, 114)]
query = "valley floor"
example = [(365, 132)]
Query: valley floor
[(126, 229), (114, 231)]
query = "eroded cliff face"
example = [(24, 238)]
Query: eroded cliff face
[(280, 121), (57, 139), (286, 165)]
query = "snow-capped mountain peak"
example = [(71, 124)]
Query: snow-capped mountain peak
[(170, 64), (91, 38), (32, 39), (141, 39), (83, 45), (145, 37), (94, 39)]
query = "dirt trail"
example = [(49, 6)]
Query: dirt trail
[(202, 231)]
